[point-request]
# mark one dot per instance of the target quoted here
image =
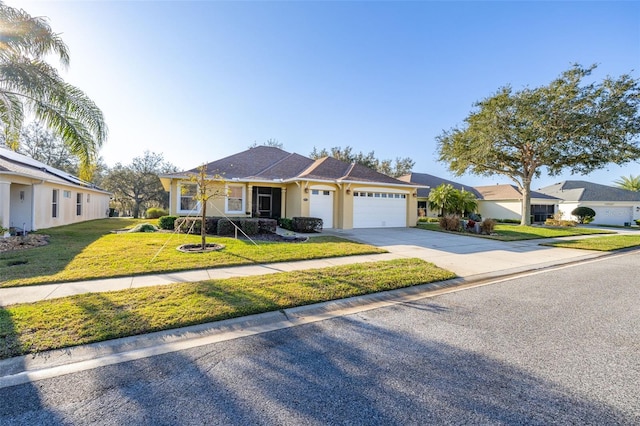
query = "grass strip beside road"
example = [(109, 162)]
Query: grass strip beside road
[(608, 243), (504, 232), (90, 250), (95, 317)]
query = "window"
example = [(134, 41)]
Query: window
[(235, 199), (79, 204), (67, 194), (88, 198), (54, 203), (187, 193)]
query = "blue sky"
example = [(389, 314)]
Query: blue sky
[(200, 80)]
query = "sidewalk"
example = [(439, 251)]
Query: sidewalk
[(476, 261), (470, 258)]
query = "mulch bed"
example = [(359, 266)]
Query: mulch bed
[(22, 243)]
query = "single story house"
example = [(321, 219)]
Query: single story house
[(266, 181), (504, 201), (35, 196), (429, 182), (613, 206)]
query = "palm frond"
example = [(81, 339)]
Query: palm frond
[(22, 34), (11, 119)]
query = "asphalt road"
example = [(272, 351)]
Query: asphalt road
[(558, 347)]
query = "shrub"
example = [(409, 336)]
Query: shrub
[(267, 226), (584, 214), (487, 226), (192, 225), (143, 227), (285, 223), (188, 225), (476, 217), (155, 213), (249, 226), (560, 222), (450, 223), (225, 227), (167, 222), (306, 224), (638, 222), (507, 220)]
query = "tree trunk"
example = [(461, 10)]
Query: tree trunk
[(526, 202), (136, 210), (203, 227)]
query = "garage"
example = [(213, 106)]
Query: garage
[(373, 209), (321, 205), (613, 215)]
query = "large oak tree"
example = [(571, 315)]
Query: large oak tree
[(572, 124)]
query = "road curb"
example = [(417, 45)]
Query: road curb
[(33, 367)]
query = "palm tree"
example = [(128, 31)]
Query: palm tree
[(442, 198), (632, 183), (466, 202), (29, 85)]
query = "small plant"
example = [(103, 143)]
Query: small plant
[(143, 227), (584, 214), (450, 223), (167, 222), (155, 213), (487, 226), (476, 217), (307, 224), (285, 223), (3, 231)]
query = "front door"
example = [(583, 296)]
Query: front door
[(264, 204)]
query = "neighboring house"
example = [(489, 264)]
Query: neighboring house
[(429, 182), (35, 196), (505, 202), (268, 182), (613, 206)]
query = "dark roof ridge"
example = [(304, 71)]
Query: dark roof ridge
[(291, 154)]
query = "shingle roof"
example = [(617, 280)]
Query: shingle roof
[(506, 192), (270, 163), (434, 182), (580, 190)]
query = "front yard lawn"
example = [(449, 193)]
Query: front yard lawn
[(95, 317), (506, 232), (609, 243), (90, 250)]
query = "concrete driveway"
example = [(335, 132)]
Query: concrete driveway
[(467, 256)]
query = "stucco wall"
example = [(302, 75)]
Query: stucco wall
[(500, 209), (95, 205)]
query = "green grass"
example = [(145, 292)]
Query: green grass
[(506, 232), (95, 317), (609, 243), (90, 250)]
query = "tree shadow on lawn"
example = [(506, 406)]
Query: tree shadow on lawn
[(65, 243), (33, 410)]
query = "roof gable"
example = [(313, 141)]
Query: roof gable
[(579, 190), (433, 182), (270, 163), (507, 192)]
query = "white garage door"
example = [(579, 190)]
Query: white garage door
[(612, 215), (379, 209), (322, 206)]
